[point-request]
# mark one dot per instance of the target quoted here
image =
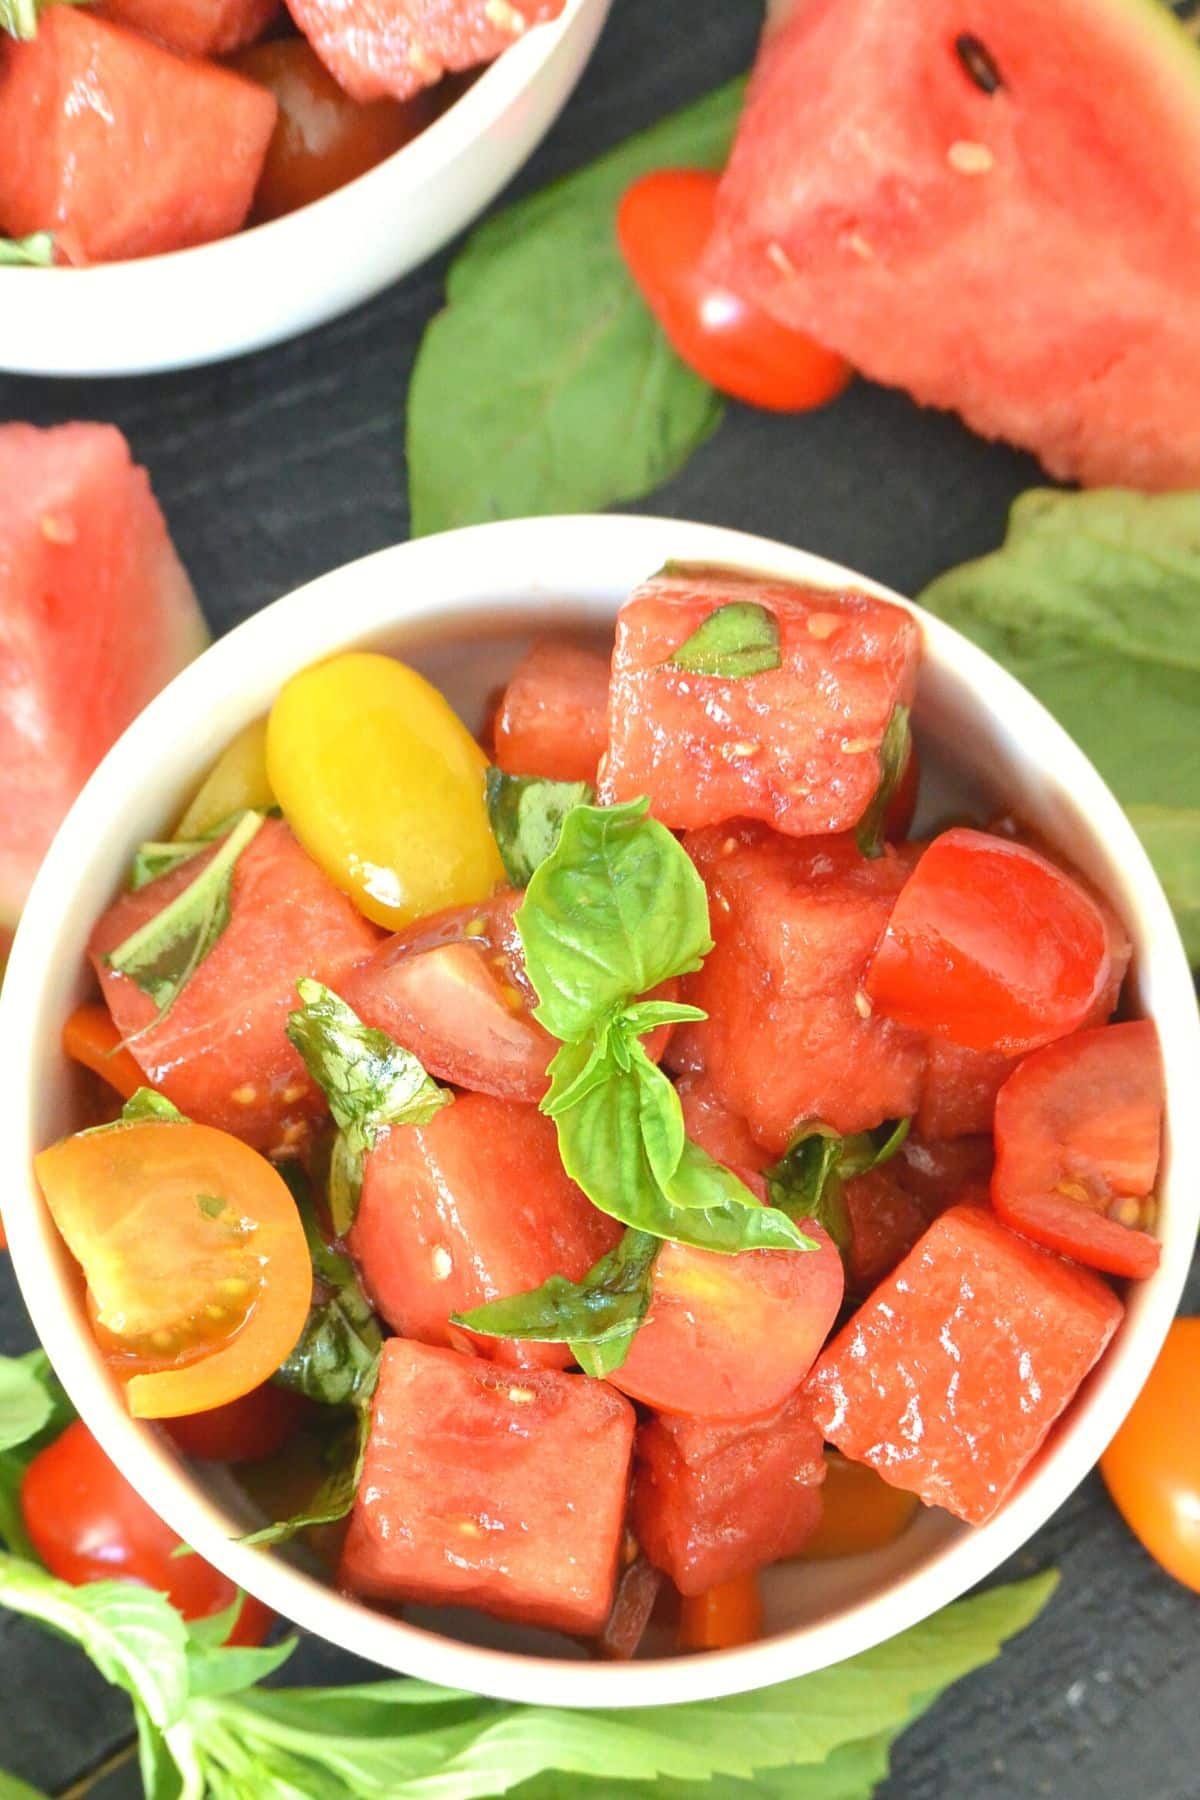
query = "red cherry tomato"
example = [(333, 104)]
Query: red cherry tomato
[(663, 227), (88, 1524), (244, 1430), (322, 138), (991, 946), (1077, 1140), (1152, 1466)]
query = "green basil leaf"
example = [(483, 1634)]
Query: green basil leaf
[(369, 1081), (647, 1015), (37, 250), (57, 1413), (1094, 603), (162, 955), (598, 1314), (145, 1105), (25, 1401), (214, 1670), (345, 1453), (739, 639), (546, 386), (13, 1788), (526, 814), (152, 859), (337, 1358), (808, 1182), (867, 1150), (895, 748), (617, 909)]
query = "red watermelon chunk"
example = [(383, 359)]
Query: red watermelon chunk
[(711, 1124), (790, 1035), (885, 1222), (553, 716), (374, 48), (196, 27), (941, 1171), (221, 1054), (490, 1490), (121, 148), (1022, 246), (797, 745), (474, 1206), (96, 614), (715, 1502), (947, 1380)]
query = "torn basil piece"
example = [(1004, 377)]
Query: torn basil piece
[(808, 1181), (145, 1105), (344, 1453), (336, 1361), (526, 813), (895, 748), (738, 639), (37, 250)]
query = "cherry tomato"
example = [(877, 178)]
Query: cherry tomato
[(91, 1038), (198, 1273), (1152, 1466), (384, 787), (722, 1617), (991, 946), (322, 138), (663, 227), (244, 1430), (1077, 1142), (88, 1524), (860, 1511), (236, 781)]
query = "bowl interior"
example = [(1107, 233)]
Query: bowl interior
[(461, 608)]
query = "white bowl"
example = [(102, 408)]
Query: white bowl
[(197, 306), (458, 605)]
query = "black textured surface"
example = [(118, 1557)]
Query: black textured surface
[(276, 468)]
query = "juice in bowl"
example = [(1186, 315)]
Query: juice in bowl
[(657, 1167)]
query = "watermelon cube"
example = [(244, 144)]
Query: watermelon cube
[(940, 1171), (474, 1206), (885, 1222), (711, 1124), (121, 148), (714, 1502), (96, 614), (196, 27), (221, 1054), (790, 1035), (374, 48), (947, 1380), (553, 716), (796, 745), (487, 1489)]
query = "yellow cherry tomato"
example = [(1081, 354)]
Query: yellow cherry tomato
[(237, 781), (722, 1617), (860, 1511), (198, 1273), (1152, 1466), (384, 787)]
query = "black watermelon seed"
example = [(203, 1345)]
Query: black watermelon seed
[(977, 60)]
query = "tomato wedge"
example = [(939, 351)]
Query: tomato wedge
[(244, 1430), (90, 1037), (990, 945), (198, 1274), (1077, 1143)]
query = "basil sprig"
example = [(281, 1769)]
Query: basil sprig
[(895, 748), (526, 813), (738, 639), (336, 1361), (37, 250), (808, 1182)]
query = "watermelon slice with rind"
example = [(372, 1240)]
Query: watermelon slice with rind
[(995, 207)]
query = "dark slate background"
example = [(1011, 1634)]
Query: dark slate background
[(279, 467)]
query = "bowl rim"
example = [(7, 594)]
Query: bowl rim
[(417, 163), (537, 557)]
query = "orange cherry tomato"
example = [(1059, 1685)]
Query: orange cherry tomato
[(90, 1037), (663, 227), (722, 1617), (87, 1524), (198, 1273), (322, 138), (1152, 1466), (245, 1430), (860, 1511)]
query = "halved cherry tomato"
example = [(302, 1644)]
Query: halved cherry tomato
[(664, 225), (237, 780), (1077, 1143), (861, 1511), (322, 138), (722, 1617), (991, 946), (384, 787), (198, 1273), (1152, 1466), (244, 1430), (88, 1524), (91, 1038)]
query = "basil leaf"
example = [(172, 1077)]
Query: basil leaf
[(526, 814), (871, 1149), (1094, 603), (13, 1788), (739, 639), (895, 748), (336, 1361), (345, 1454), (598, 1315), (617, 909), (369, 1081), (25, 1401), (20, 1444), (546, 386), (37, 250), (144, 1105), (807, 1182), (152, 859), (162, 955)]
